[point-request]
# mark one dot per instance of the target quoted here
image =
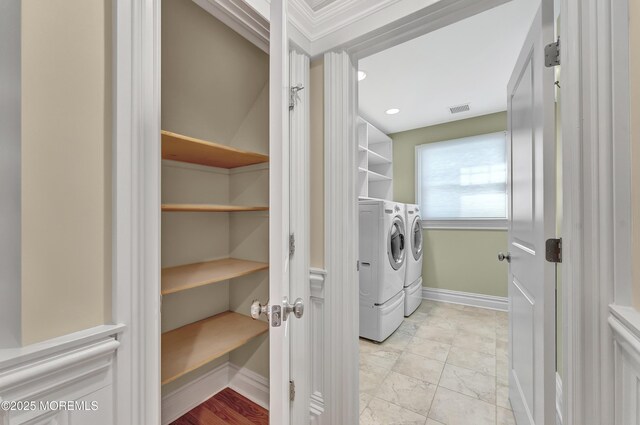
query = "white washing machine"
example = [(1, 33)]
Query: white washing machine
[(383, 254), (413, 280)]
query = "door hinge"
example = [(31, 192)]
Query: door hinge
[(553, 251), (552, 54), (293, 95), (292, 390), (292, 244), (358, 265)]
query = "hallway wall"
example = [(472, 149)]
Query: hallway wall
[(66, 166), (482, 273)]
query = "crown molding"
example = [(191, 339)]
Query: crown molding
[(317, 23), (250, 19), (361, 27)]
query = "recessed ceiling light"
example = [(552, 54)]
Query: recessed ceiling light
[(392, 111), (361, 75)]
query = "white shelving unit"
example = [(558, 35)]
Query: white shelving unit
[(375, 162)]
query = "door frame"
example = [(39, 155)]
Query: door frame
[(597, 201), (596, 183), (136, 266), (136, 300)]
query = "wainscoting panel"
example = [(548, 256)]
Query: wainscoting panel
[(63, 381), (625, 323), (317, 319)]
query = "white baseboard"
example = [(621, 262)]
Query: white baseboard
[(466, 298), (558, 400), (251, 385), (247, 383), (185, 398)]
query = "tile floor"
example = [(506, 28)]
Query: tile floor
[(446, 365)]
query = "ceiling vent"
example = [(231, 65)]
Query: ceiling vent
[(460, 108)]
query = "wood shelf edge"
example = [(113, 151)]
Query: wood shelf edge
[(250, 268)]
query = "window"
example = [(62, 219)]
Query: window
[(463, 182)]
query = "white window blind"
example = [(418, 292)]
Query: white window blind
[(463, 179)]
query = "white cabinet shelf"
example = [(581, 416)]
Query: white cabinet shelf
[(375, 177), (375, 162), (377, 159)]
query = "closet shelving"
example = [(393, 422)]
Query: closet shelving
[(178, 147), (211, 208), (187, 348), (375, 162), (180, 278), (191, 346)]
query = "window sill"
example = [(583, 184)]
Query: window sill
[(488, 224)]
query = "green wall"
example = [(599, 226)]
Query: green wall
[(457, 260)]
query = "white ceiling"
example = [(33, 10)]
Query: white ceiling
[(467, 62)]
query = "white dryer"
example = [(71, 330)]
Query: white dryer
[(413, 280), (383, 254)]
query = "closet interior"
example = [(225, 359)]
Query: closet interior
[(215, 198)]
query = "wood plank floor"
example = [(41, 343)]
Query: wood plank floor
[(226, 407)]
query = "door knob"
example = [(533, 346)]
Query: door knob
[(257, 309), (297, 308), (502, 257)]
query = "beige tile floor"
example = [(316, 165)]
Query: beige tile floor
[(446, 365)]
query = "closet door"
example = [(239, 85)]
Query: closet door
[(279, 296)]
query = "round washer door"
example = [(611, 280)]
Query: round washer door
[(416, 238), (396, 243)]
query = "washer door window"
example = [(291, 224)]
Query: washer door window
[(396, 243), (416, 238)]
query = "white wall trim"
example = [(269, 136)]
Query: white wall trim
[(558, 399), (341, 238), (320, 374), (13, 358), (71, 368), (466, 298), (315, 24), (625, 325), (247, 383), (136, 209), (362, 40), (479, 224), (595, 206), (363, 27), (242, 18), (194, 393)]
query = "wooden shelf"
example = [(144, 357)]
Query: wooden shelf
[(189, 347), (211, 208), (177, 147), (180, 278)]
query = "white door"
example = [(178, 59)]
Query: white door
[(279, 167), (531, 138)]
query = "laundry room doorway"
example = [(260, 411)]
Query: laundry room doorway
[(441, 208)]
